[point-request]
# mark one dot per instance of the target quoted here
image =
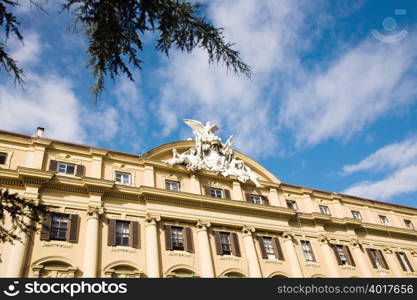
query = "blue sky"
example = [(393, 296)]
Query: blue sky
[(332, 105)]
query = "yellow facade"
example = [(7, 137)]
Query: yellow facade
[(221, 237)]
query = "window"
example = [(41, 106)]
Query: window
[(177, 238), (217, 193), (384, 220), (356, 215), (123, 178), (409, 224), (225, 242), (172, 185), (3, 157), (292, 204), (269, 248), (66, 168), (122, 233), (257, 199), (59, 227), (405, 263), (324, 209), (377, 259), (341, 254), (308, 251)]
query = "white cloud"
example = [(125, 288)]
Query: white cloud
[(362, 85), (26, 52), (193, 89), (47, 102), (400, 182), (389, 157)]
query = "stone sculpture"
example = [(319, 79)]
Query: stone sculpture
[(210, 154)]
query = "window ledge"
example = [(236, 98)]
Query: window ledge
[(230, 258), (180, 253), (348, 267), (125, 249), (55, 243), (382, 271), (273, 261), (312, 264)]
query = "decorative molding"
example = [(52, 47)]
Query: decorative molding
[(152, 219)]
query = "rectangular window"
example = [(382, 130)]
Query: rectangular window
[(384, 220), (59, 226), (66, 168), (172, 185), (292, 204), (3, 157), (342, 255), (177, 238), (308, 251), (409, 224), (123, 178), (225, 242), (356, 215), (217, 193), (257, 199), (405, 263), (269, 248), (376, 258), (324, 209), (122, 233)]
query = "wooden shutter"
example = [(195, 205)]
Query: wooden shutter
[(338, 259), (401, 262), (277, 248), (53, 164), (372, 258), (235, 244), (219, 249), (262, 246), (226, 193), (265, 200), (406, 259), (207, 190), (80, 170), (134, 234), (46, 227), (72, 231), (247, 197), (188, 239), (312, 251), (168, 238), (349, 256), (111, 237), (382, 258)]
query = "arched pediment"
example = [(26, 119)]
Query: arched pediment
[(164, 152)]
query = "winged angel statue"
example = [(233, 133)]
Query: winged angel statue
[(209, 153)]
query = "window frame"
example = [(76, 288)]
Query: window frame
[(5, 157), (168, 184), (308, 252), (406, 262), (324, 209), (382, 219), (342, 255), (54, 232), (408, 222), (226, 243), (269, 247), (177, 238), (123, 173), (66, 164), (359, 215), (214, 195), (255, 197), (123, 234), (379, 264), (293, 204)]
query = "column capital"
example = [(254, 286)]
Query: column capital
[(248, 230), (203, 224), (288, 235), (388, 250), (323, 238), (355, 243), (94, 211), (152, 219), (414, 253)]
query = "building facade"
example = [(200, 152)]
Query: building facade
[(117, 214)]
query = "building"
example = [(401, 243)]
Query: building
[(123, 215)]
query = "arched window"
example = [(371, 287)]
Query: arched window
[(123, 271), (233, 275), (54, 269), (181, 273)]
